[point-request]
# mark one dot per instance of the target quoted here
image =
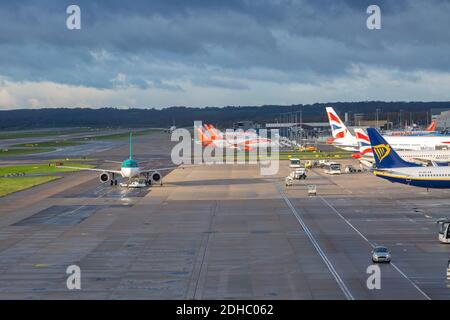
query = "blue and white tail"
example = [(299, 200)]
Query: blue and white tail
[(385, 156)]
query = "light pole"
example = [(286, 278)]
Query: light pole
[(377, 110)]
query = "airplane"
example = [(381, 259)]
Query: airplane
[(431, 129), (423, 157), (343, 139), (227, 135), (129, 169), (171, 129), (242, 141), (391, 167), (206, 141), (245, 140)]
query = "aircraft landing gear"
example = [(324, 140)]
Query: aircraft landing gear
[(113, 180)]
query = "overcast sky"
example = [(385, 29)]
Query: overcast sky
[(160, 53)]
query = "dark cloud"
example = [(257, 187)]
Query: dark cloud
[(153, 43)]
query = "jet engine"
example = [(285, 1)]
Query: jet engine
[(104, 177), (156, 177)]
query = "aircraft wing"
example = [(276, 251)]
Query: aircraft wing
[(430, 163), (157, 169), (424, 162), (91, 169), (367, 163)]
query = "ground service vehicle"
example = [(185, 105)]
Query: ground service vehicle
[(332, 168), (444, 230)]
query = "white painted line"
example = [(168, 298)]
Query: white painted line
[(314, 242), (372, 245)]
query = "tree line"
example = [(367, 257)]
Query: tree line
[(221, 116)]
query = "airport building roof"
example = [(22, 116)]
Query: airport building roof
[(294, 124)]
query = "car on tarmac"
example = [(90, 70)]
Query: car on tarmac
[(381, 254)]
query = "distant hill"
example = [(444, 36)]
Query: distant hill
[(184, 116)]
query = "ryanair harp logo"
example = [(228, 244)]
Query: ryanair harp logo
[(381, 151)]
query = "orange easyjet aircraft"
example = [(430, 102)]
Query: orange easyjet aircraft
[(237, 140)]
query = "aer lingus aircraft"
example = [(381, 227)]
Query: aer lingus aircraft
[(130, 169)]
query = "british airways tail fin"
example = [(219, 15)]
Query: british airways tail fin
[(338, 128), (385, 156), (365, 149)]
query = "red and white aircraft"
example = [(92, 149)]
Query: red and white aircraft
[(242, 140), (343, 138)]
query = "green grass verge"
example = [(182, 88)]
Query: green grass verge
[(41, 168), (11, 185), (72, 160), (315, 155), (302, 155), (18, 152)]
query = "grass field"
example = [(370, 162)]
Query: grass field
[(49, 144), (41, 168), (11, 185), (72, 160), (315, 155), (19, 152), (286, 155)]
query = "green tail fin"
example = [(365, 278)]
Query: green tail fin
[(131, 145)]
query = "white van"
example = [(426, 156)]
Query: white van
[(295, 163)]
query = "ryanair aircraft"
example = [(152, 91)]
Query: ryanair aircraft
[(391, 167)]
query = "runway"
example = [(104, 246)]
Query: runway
[(88, 147), (221, 232)]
